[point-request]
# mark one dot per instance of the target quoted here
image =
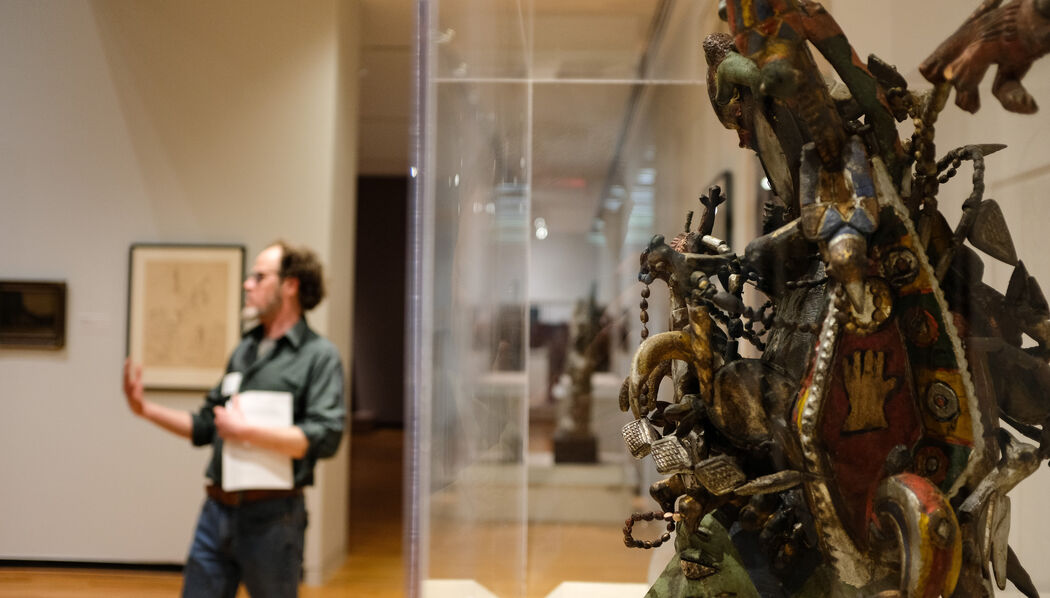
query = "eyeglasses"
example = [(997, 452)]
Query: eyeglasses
[(258, 277)]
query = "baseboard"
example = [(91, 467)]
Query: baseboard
[(47, 564)]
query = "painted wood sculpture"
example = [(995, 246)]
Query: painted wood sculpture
[(862, 453)]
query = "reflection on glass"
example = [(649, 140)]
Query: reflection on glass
[(561, 140), (481, 235)]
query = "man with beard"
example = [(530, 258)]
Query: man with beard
[(256, 535)]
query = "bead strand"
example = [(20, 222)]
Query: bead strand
[(644, 314), (628, 529)]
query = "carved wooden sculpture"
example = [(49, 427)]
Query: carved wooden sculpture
[(862, 453), (1011, 36)]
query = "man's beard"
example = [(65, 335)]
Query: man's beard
[(251, 315)]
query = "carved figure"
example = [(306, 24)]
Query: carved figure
[(1011, 36), (574, 441)]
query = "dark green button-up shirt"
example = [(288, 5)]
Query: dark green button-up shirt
[(301, 363)]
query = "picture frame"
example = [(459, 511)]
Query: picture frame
[(184, 305), (32, 314)]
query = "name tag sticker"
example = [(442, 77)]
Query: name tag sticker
[(231, 384)]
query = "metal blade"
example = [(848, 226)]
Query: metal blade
[(990, 233)]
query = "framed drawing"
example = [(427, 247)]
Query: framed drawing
[(32, 314), (183, 312)]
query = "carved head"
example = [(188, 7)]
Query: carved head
[(717, 46)]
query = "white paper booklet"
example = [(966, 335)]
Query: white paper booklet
[(252, 468)]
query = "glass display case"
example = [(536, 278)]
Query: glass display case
[(553, 129), (556, 138)]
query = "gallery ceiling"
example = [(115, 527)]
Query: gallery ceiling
[(584, 64)]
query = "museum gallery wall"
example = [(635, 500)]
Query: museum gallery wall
[(170, 122)]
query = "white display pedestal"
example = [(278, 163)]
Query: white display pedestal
[(599, 493), (455, 588), (607, 421), (565, 492), (581, 589)]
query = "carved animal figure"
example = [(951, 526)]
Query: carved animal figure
[(1011, 36)]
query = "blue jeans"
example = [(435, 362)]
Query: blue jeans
[(259, 543)]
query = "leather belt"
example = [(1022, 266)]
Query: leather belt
[(240, 497)]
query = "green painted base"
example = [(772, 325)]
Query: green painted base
[(715, 556), (725, 576)]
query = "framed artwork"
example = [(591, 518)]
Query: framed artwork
[(183, 312), (32, 314)]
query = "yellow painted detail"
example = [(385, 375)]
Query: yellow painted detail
[(956, 566), (748, 9), (926, 551), (956, 431), (800, 408), (921, 283)]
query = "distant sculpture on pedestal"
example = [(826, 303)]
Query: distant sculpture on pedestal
[(574, 439)]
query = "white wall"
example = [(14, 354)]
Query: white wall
[(174, 121), (562, 271)]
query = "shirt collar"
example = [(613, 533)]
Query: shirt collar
[(295, 335)]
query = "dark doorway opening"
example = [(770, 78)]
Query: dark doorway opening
[(379, 301)]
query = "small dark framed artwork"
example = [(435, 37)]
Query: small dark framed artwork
[(32, 314)]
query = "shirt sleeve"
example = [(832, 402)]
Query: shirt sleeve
[(203, 431), (325, 409)]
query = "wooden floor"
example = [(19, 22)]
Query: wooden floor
[(375, 568)]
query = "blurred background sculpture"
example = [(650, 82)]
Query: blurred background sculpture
[(856, 447), (574, 439)]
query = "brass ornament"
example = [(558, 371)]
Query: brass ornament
[(876, 306)]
